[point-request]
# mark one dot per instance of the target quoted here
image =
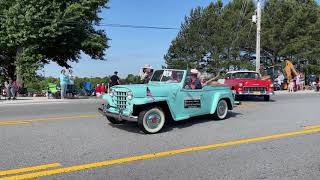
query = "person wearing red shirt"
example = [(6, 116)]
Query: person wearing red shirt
[(103, 88), (98, 90)]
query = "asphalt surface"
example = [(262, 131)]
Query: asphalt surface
[(84, 145)]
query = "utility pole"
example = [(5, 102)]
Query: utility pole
[(258, 36)]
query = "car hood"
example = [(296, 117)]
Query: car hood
[(140, 90), (254, 82)]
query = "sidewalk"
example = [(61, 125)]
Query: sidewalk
[(43, 100), (297, 92)]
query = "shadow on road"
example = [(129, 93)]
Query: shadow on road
[(254, 99), (171, 124)]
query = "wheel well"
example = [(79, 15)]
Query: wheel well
[(162, 104), (228, 102)]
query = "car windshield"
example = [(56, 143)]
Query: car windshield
[(246, 75), (169, 76)]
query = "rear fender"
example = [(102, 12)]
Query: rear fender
[(217, 97)]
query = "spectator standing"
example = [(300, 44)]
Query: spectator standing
[(298, 82), (103, 88), (302, 81), (4, 91), (64, 80), (11, 90), (115, 80), (70, 87), (98, 90)]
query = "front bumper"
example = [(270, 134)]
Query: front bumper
[(255, 93), (118, 116)]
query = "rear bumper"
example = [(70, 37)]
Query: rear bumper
[(237, 103), (119, 117)]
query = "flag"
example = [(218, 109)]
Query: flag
[(149, 92)]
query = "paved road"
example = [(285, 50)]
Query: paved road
[(260, 140)]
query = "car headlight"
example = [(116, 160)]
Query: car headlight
[(240, 84), (130, 95), (113, 92)]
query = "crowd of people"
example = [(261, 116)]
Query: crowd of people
[(298, 83), (68, 87), (103, 88), (10, 89)]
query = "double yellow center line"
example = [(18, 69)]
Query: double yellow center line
[(29, 169), (308, 130), (14, 122)]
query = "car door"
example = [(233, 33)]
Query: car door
[(189, 103)]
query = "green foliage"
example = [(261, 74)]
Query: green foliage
[(291, 29), (35, 32), (312, 69), (222, 37), (215, 38), (131, 79)]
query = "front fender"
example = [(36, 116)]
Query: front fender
[(108, 99), (151, 100)]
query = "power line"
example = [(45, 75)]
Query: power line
[(105, 25), (139, 26)]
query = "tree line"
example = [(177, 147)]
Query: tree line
[(222, 36)]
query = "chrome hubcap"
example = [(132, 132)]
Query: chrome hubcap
[(153, 120), (222, 107)]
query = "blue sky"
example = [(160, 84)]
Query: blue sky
[(132, 48)]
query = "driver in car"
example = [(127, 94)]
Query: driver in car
[(174, 78), (194, 82)]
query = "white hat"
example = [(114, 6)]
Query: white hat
[(194, 71), (147, 66)]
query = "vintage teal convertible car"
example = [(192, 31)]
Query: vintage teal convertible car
[(165, 97)]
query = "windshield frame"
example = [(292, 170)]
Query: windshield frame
[(233, 75), (162, 76)]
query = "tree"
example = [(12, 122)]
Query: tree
[(221, 37), (131, 79), (291, 29), (215, 38), (35, 32)]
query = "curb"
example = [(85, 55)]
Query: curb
[(293, 93), (44, 101)]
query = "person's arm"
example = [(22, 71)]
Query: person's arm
[(118, 80)]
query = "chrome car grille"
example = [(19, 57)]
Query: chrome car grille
[(255, 89), (120, 98)]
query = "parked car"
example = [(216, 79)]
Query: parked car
[(163, 98), (249, 83)]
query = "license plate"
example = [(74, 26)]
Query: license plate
[(256, 93)]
